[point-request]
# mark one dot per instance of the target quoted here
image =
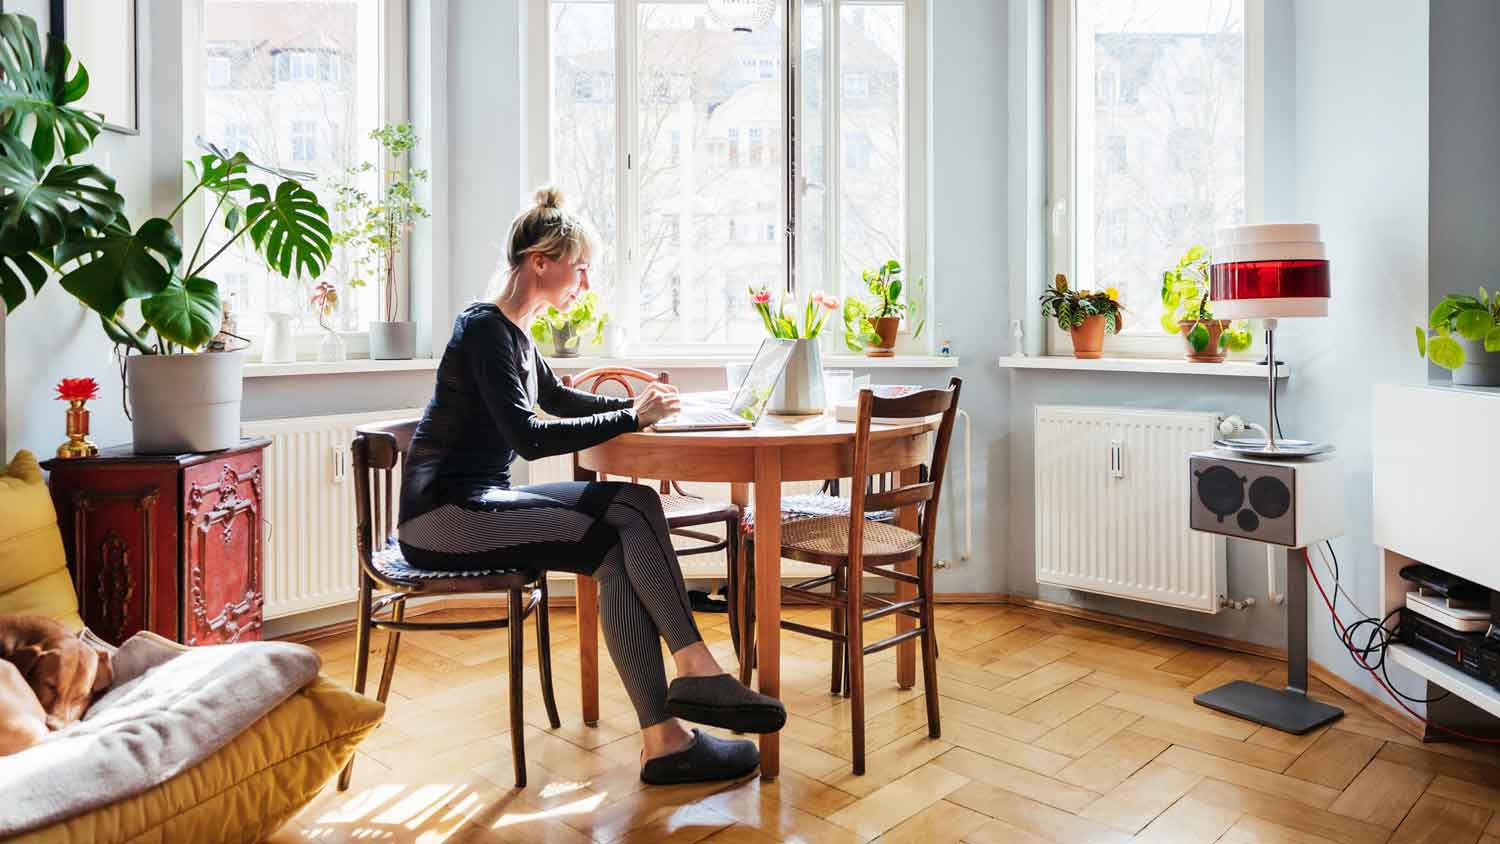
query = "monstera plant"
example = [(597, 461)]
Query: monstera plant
[(61, 217)]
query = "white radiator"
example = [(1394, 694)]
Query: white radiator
[(310, 557), (1112, 490)]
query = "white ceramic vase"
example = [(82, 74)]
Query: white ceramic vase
[(280, 341), (800, 390)]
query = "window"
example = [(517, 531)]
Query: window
[(707, 152), (1147, 123), (298, 84)]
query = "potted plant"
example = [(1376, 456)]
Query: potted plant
[(67, 219), (1084, 314), (871, 326), (378, 226), (1184, 293), (800, 390), (1474, 355), (565, 329), (325, 300)]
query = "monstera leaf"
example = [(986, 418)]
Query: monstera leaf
[(185, 312), (16, 272), (37, 204), (119, 264), (290, 229), (35, 92)]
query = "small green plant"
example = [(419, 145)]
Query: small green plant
[(885, 288), (1184, 294), (565, 329), (1475, 318), (1071, 307), (377, 224)]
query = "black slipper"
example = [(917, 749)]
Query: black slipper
[(720, 701), (703, 602), (707, 759)]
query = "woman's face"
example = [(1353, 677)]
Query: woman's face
[(562, 280)]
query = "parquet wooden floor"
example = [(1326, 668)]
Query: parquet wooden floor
[(1053, 730)]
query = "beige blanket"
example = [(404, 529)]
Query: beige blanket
[(170, 708)]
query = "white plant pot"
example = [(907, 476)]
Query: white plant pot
[(184, 403), (393, 340)]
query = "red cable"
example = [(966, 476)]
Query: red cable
[(1366, 666)]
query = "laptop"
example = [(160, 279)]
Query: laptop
[(749, 401)]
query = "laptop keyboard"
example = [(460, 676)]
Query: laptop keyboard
[(706, 417)]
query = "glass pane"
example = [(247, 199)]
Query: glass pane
[(294, 85), (583, 127), (872, 131), (1160, 126), (709, 174)]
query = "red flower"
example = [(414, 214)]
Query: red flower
[(77, 389)]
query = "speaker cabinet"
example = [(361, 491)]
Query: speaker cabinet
[(1293, 503)]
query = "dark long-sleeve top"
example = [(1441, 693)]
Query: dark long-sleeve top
[(483, 414)]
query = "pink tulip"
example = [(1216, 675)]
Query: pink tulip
[(761, 297), (817, 296), (830, 302)]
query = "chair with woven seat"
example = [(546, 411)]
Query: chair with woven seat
[(853, 547), (684, 510), (378, 451)]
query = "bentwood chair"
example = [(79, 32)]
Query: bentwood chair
[(852, 547), (684, 510), (386, 580)]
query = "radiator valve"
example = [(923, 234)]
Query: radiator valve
[(1227, 603)]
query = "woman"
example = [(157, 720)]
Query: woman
[(459, 512)]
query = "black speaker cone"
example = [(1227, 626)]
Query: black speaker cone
[(1221, 490), (1248, 520), (1269, 497)]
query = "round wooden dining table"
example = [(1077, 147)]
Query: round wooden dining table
[(779, 448)]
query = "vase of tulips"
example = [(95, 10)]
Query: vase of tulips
[(800, 391)]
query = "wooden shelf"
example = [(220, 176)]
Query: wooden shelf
[(1471, 689)]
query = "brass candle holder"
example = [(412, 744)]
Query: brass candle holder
[(76, 392)]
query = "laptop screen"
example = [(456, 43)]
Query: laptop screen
[(755, 391)]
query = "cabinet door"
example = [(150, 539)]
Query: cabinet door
[(221, 550)]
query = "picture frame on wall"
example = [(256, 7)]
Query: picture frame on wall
[(102, 37)]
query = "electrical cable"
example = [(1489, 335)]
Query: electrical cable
[(1378, 679)]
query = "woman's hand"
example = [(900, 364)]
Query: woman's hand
[(655, 403)]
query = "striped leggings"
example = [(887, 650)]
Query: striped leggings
[(614, 531)]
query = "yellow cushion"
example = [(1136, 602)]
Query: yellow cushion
[(247, 790), (34, 577)]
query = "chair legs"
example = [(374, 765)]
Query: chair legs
[(392, 643), (929, 664), (854, 626), (744, 565), (837, 684), (544, 655), (517, 630), (361, 660), (731, 553)]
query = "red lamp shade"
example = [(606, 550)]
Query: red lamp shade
[(1269, 270)]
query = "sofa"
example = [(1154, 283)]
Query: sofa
[(246, 790)]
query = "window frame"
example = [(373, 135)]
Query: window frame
[(1062, 149), (915, 136), (392, 95)]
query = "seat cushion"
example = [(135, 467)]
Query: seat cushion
[(394, 568), (812, 506), (829, 536), (34, 577), (247, 790)]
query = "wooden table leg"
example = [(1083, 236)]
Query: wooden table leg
[(740, 495), (768, 592), (587, 604), (588, 647), (906, 652)]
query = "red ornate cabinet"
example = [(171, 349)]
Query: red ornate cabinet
[(167, 543)]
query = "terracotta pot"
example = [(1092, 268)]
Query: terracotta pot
[(886, 328), (1088, 339), (1212, 353)]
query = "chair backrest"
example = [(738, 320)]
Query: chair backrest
[(925, 494), (378, 450), (631, 380)]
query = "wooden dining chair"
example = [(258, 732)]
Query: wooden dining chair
[(386, 580), (853, 547), (684, 510)]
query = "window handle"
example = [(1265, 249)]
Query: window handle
[(1059, 211)]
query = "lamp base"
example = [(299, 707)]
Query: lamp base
[(1284, 448), (1280, 709)]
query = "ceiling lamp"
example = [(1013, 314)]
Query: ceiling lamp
[(742, 15)]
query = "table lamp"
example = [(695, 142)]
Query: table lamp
[(1269, 271)]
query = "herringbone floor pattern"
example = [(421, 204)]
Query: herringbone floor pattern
[(1053, 730)]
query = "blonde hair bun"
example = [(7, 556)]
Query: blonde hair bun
[(549, 197)]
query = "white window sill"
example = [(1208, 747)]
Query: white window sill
[(343, 367), (670, 362), (1152, 366)]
